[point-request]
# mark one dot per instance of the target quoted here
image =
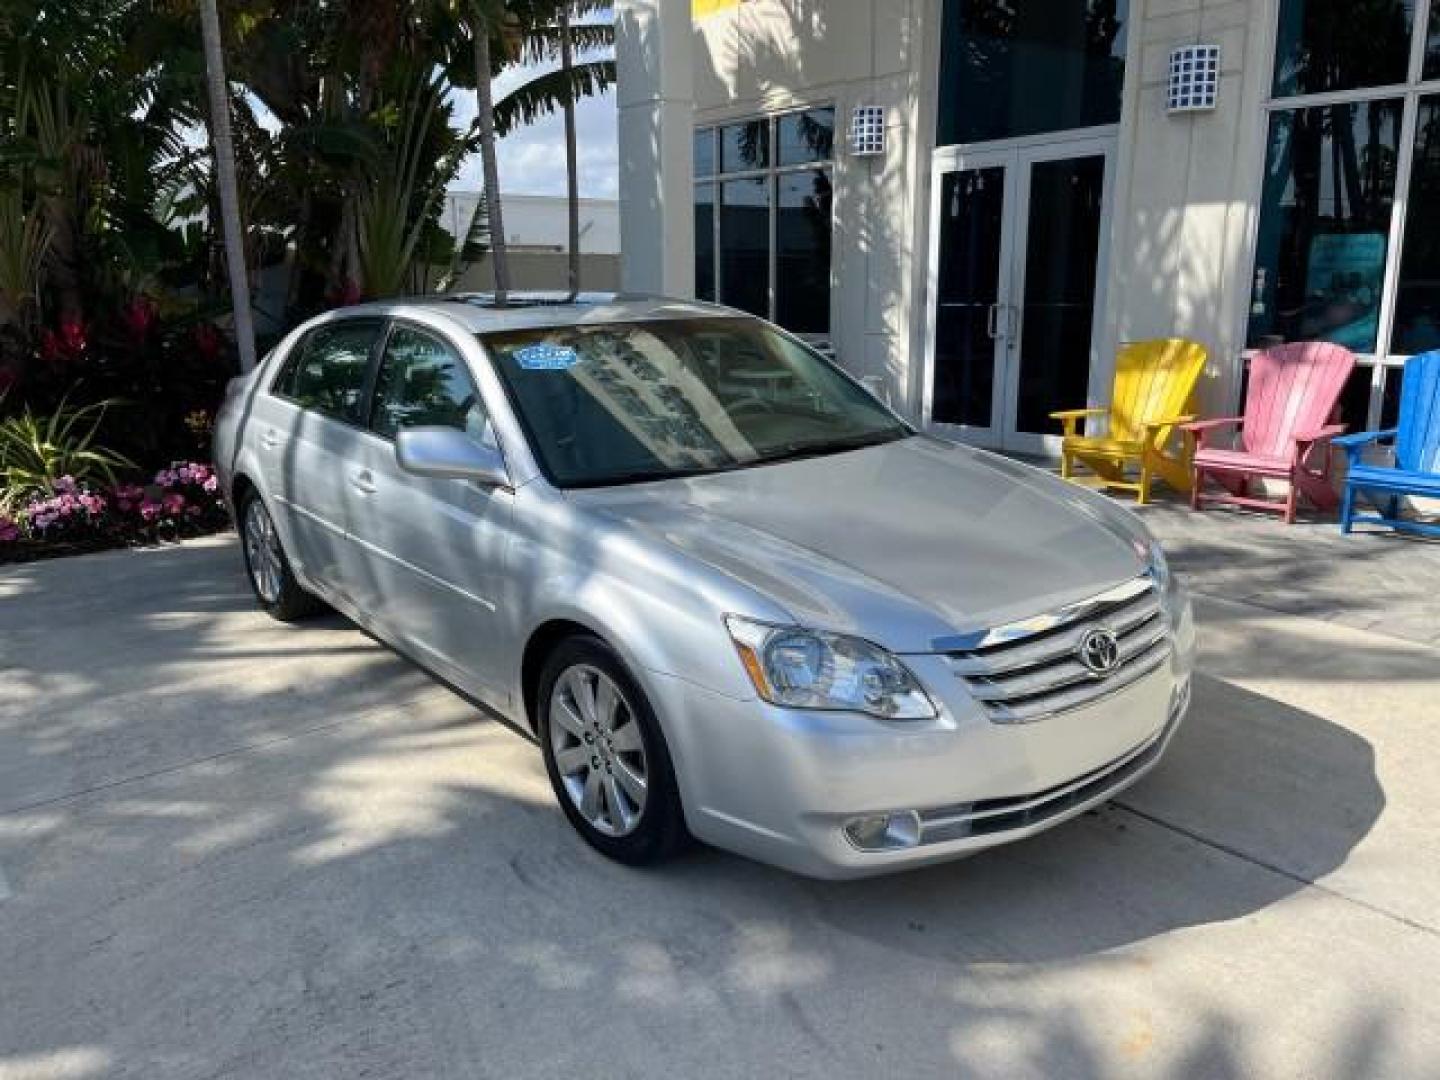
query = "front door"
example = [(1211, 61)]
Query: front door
[(431, 549), (1016, 274)]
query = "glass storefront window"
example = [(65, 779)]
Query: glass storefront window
[(744, 147), (1329, 190), (802, 251), (770, 186), (745, 244), (705, 241), (1432, 44), (1417, 300), (1390, 398), (1009, 69), (803, 137), (1324, 45), (705, 152)]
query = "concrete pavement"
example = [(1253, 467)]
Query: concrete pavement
[(240, 849)]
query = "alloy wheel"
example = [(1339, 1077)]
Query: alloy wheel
[(599, 750), (262, 552)]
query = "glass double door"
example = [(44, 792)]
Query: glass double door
[(1017, 259)]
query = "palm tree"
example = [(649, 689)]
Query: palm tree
[(484, 15), (561, 88), (572, 178), (219, 96)]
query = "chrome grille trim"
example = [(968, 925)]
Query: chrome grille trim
[(1020, 677)]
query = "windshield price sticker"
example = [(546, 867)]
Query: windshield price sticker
[(546, 357)]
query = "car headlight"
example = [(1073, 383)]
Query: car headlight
[(1165, 581), (1159, 567), (811, 669)]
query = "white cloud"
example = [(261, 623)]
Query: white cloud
[(532, 158)]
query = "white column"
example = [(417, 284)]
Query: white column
[(653, 56)]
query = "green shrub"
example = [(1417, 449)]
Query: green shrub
[(37, 451)]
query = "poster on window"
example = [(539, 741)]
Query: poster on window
[(1342, 288)]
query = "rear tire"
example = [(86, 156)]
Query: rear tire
[(267, 567), (606, 756)]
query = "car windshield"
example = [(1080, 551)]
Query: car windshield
[(617, 403)]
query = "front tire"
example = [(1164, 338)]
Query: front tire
[(606, 756), (267, 567)]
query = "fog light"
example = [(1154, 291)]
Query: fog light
[(884, 832)]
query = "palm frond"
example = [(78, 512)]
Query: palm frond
[(548, 92), (542, 43)]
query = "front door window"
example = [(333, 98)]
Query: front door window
[(1057, 308), (1017, 257), (971, 223)]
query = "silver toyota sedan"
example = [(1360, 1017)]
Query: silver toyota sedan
[(729, 594)]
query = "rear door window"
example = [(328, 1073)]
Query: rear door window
[(327, 371)]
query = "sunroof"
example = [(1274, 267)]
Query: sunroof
[(529, 299)]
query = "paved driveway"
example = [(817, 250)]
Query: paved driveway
[(230, 848)]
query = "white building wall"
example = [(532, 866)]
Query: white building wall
[(542, 222), (1187, 187)]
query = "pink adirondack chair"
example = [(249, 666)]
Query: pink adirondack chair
[(1291, 400)]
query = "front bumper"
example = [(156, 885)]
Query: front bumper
[(781, 785)]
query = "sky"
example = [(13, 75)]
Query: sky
[(532, 158)]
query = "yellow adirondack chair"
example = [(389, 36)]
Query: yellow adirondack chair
[(1153, 383)]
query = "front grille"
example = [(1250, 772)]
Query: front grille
[(1002, 815), (1025, 671)]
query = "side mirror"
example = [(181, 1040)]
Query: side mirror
[(447, 454)]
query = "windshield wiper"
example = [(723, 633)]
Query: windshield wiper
[(800, 451)]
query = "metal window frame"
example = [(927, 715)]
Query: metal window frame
[(1381, 362), (770, 174)]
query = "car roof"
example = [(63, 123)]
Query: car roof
[(479, 312)]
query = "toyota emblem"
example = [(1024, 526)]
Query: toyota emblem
[(1099, 651)]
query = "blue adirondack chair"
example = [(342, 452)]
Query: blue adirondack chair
[(1417, 453)]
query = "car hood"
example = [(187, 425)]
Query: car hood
[(904, 543)]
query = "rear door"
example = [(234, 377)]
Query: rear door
[(431, 549), (307, 438)]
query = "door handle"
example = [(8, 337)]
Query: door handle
[(270, 439), (363, 482), (992, 321)]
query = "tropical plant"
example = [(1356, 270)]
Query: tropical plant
[(399, 200), (38, 454), (24, 242)]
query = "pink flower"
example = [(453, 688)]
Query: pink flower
[(174, 502), (9, 530), (65, 483), (212, 484), (149, 510)]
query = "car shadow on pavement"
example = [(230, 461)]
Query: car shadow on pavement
[(303, 850), (1253, 800)]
